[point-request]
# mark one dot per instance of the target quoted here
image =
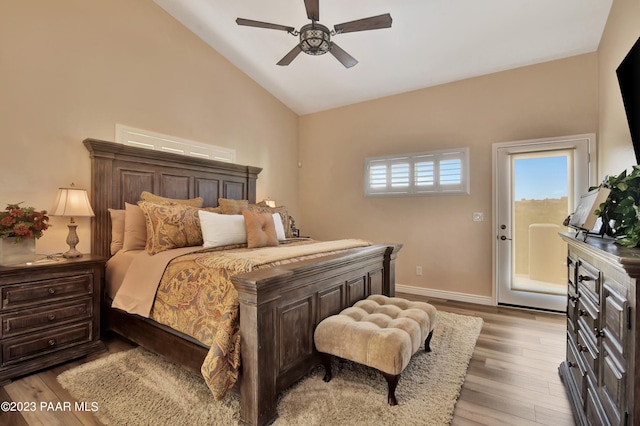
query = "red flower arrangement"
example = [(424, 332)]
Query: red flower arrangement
[(22, 222)]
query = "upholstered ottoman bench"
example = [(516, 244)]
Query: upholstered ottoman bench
[(380, 332)]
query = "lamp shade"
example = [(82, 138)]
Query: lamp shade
[(269, 202), (72, 202)]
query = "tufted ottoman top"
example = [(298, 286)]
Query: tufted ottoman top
[(380, 332)]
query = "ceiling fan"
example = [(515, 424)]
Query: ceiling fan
[(315, 39)]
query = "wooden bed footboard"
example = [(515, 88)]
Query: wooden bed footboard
[(280, 308)]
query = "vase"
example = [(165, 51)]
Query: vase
[(13, 253)]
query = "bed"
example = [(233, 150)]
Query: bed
[(279, 306)]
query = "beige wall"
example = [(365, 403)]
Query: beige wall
[(72, 69), (622, 30), (551, 99)]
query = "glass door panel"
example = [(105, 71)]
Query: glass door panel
[(542, 187)]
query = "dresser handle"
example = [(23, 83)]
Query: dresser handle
[(582, 312), (571, 364), (599, 333), (584, 278), (582, 348), (51, 317), (52, 342), (52, 290)]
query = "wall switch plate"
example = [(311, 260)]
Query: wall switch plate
[(478, 216), (418, 270)]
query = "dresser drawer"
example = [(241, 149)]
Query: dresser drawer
[(588, 315), (19, 349), (26, 321), (37, 292), (588, 354), (574, 362), (572, 308), (588, 280), (571, 273)]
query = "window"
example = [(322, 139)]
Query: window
[(145, 139), (424, 173)]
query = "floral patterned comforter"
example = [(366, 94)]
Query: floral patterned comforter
[(202, 302)]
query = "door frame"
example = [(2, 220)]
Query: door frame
[(593, 180)]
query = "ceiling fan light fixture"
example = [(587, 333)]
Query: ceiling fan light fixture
[(315, 39)]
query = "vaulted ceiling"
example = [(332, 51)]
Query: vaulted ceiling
[(430, 42)]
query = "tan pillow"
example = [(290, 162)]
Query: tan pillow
[(281, 210), (230, 206), (135, 228), (156, 199), (170, 226), (117, 230), (261, 232)]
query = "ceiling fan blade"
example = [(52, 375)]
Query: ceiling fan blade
[(313, 9), (290, 56), (250, 23), (372, 23), (347, 60)]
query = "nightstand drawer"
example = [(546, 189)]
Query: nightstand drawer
[(26, 321), (23, 348), (37, 292)]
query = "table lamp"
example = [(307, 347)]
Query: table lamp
[(72, 202)]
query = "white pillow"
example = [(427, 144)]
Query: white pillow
[(222, 229), (277, 220)]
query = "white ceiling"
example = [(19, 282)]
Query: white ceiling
[(430, 42)]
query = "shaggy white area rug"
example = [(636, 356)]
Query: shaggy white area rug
[(137, 387)]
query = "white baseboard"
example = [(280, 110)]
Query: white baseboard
[(446, 295)]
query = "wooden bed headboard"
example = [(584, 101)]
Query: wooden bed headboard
[(119, 174)]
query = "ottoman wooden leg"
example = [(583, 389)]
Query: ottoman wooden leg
[(392, 381), (326, 361), (427, 342)]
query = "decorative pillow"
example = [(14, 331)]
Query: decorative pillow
[(222, 230), (170, 226), (156, 199), (135, 228), (230, 206), (277, 221), (261, 230), (117, 230), (281, 210)]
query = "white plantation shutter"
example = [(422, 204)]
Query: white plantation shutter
[(425, 173)]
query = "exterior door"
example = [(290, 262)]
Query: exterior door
[(536, 186)]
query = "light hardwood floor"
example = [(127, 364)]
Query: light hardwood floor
[(512, 377)]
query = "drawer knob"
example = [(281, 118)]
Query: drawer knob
[(582, 312), (582, 348), (598, 333), (52, 290), (52, 342), (51, 317), (572, 364), (582, 278)]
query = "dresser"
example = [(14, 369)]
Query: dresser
[(599, 372), (49, 313)]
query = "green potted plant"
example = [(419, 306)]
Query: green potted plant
[(620, 213)]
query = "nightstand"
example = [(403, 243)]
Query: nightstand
[(49, 313)]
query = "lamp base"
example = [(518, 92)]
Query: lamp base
[(72, 240), (71, 254)]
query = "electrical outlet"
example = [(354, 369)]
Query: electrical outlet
[(478, 216), (418, 270)]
